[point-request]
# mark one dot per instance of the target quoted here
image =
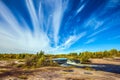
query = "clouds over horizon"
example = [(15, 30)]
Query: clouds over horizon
[(56, 26)]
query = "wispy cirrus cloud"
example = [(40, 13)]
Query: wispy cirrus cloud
[(57, 17), (14, 37), (90, 41), (113, 3), (80, 8), (33, 15), (54, 26), (97, 32), (94, 23), (10, 19), (72, 39), (68, 42)]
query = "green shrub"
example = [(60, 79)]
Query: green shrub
[(84, 59), (31, 60), (41, 61)]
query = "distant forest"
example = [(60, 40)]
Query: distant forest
[(42, 59)]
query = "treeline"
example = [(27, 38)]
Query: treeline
[(40, 58), (85, 56), (30, 60), (14, 56)]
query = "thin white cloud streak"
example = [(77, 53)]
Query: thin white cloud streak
[(80, 8), (9, 18), (33, 16), (111, 4), (93, 22), (69, 42), (98, 24), (57, 17), (83, 4), (97, 32), (90, 41), (72, 39), (40, 16), (58, 7)]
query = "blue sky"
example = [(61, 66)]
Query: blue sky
[(59, 26)]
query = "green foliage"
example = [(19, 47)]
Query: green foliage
[(23, 77), (14, 56), (39, 54), (84, 59), (85, 56), (31, 60), (41, 59), (73, 54)]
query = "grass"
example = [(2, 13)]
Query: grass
[(64, 72), (21, 60), (23, 77)]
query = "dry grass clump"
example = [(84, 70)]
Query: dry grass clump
[(23, 77)]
